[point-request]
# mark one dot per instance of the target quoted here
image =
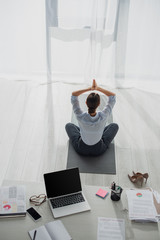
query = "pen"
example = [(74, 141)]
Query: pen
[(113, 186), (34, 236)]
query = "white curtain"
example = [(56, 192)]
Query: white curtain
[(137, 46), (114, 41), (81, 40), (143, 40)]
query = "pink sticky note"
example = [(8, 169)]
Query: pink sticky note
[(102, 193)]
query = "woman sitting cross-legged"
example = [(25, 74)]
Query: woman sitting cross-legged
[(92, 137)]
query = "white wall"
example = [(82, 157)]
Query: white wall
[(143, 40), (22, 37)]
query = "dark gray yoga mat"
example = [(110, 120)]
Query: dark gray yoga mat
[(103, 164)]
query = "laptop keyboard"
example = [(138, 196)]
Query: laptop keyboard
[(67, 200)]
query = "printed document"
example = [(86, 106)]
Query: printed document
[(12, 201), (141, 205), (110, 228)]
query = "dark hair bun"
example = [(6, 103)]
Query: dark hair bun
[(93, 101)]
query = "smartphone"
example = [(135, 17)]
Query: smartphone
[(34, 214)]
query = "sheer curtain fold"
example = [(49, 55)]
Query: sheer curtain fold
[(138, 49), (143, 48), (82, 39)]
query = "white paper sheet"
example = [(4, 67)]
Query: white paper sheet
[(157, 195), (111, 228)]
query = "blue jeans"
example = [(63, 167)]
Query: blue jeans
[(97, 149)]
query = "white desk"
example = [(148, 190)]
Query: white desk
[(81, 226)]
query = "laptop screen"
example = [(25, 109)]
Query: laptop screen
[(62, 182)]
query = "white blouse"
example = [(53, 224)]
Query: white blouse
[(91, 128)]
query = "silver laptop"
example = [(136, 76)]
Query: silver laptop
[(64, 192)]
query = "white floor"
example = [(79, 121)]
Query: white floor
[(33, 139)]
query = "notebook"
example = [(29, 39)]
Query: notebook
[(50, 231), (64, 191)]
